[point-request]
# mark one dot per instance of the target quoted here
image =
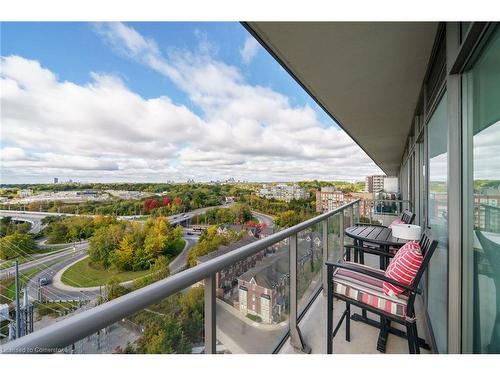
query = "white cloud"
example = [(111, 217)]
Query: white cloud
[(249, 50), (244, 131)]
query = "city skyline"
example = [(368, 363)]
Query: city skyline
[(114, 102)]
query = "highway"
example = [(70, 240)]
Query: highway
[(35, 217), (34, 220), (80, 247)]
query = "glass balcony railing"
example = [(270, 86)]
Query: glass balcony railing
[(248, 300)]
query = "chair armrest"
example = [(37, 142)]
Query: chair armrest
[(376, 275), (370, 250)]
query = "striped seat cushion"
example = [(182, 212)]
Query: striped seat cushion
[(368, 290), (403, 267)]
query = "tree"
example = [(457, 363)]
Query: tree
[(289, 218), (17, 244), (124, 255), (167, 337), (103, 244), (150, 204), (114, 289), (191, 314), (166, 200), (159, 271)]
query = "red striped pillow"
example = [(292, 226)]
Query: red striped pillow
[(396, 221), (403, 267)]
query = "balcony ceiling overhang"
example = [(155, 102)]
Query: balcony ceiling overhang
[(367, 76)]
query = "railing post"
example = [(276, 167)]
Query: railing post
[(210, 311), (325, 254), (341, 233), (295, 335)]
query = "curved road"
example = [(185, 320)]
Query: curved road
[(49, 258), (51, 292)]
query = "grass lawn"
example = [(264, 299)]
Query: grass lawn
[(84, 274)]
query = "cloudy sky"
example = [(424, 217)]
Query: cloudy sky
[(157, 102)]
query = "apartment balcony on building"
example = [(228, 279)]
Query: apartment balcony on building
[(421, 99)]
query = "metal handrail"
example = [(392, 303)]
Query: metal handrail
[(70, 330)]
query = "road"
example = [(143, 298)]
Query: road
[(81, 246), (263, 218), (36, 216), (34, 220), (50, 292), (179, 218), (179, 263)]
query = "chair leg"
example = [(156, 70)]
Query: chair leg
[(348, 321), (411, 340), (329, 296), (415, 334)]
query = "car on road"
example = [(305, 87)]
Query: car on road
[(44, 281)]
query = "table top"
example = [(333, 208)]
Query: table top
[(374, 234)]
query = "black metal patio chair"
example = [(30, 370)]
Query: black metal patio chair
[(362, 286)]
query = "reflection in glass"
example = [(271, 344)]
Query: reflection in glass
[(438, 221), (482, 261), (253, 310), (309, 263)]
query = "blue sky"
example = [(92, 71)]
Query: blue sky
[(215, 76)]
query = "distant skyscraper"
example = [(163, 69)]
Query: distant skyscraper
[(56, 180)]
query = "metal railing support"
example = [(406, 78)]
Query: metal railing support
[(341, 233), (210, 312), (325, 254), (351, 216), (295, 335)]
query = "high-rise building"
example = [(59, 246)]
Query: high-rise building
[(56, 180), (374, 184)]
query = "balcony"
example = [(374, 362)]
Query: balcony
[(248, 300)]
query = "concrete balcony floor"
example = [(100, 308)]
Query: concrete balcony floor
[(363, 336)]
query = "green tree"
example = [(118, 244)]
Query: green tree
[(114, 289), (103, 244), (123, 258), (17, 244)]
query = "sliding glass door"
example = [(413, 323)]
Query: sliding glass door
[(481, 258), (437, 213)]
